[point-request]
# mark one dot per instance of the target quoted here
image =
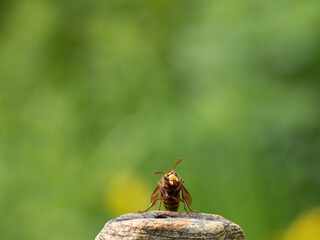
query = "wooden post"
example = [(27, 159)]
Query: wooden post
[(170, 225)]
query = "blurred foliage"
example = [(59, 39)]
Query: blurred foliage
[(96, 96)]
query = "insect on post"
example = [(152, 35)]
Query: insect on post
[(169, 187)]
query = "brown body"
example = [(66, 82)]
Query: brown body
[(169, 189)]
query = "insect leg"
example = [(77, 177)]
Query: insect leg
[(181, 200), (161, 188), (151, 205), (162, 193), (185, 203), (160, 205)]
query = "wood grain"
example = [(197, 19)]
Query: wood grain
[(170, 225)]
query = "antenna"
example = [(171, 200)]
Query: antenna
[(177, 163), (158, 173)]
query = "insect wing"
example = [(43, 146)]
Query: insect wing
[(186, 195), (155, 193)]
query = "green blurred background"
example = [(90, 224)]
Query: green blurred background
[(95, 96)]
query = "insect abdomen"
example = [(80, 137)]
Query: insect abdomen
[(171, 204)]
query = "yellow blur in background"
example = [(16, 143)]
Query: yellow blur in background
[(127, 193), (305, 227)]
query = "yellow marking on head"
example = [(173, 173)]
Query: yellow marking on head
[(172, 177), (171, 182)]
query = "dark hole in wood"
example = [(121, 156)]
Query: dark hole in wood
[(161, 216)]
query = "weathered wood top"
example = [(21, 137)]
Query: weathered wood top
[(170, 225)]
